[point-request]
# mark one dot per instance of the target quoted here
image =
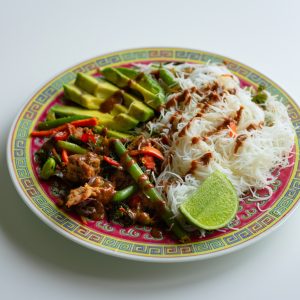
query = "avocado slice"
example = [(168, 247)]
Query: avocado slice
[(141, 112), (124, 122), (82, 98), (97, 87), (104, 90), (154, 100), (145, 80), (117, 109)]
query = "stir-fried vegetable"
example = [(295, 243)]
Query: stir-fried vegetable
[(125, 193), (148, 189), (148, 150), (48, 168), (71, 147), (111, 161), (64, 156), (57, 122), (76, 123)]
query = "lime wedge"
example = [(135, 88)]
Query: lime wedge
[(213, 205)]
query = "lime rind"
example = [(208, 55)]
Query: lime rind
[(213, 205)]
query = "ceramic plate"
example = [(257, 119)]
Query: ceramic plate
[(136, 242)]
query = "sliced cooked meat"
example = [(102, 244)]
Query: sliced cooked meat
[(82, 167), (120, 179), (98, 189)]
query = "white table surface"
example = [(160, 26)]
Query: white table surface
[(38, 39)]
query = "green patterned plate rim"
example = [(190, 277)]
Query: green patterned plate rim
[(135, 243)]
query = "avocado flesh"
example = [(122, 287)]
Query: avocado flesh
[(97, 87), (118, 109), (145, 80), (123, 81), (104, 90), (124, 122), (140, 112), (81, 97)]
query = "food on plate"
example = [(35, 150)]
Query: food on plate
[(171, 146)]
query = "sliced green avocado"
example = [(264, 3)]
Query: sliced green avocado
[(101, 89), (117, 109), (97, 87), (145, 80), (140, 111), (82, 98), (124, 122), (154, 100)]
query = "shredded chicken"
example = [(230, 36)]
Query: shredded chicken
[(81, 168), (97, 189)]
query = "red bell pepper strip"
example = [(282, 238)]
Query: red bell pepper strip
[(111, 161), (85, 122), (88, 136), (148, 150), (64, 156), (77, 123), (149, 162)]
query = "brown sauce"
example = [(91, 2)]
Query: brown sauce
[(185, 129), (124, 157), (148, 186), (178, 98), (142, 180), (104, 131), (139, 77), (238, 115), (108, 105), (255, 126), (159, 205), (129, 163), (204, 160), (165, 140), (196, 139), (239, 142), (222, 126), (155, 232), (193, 89), (206, 103)]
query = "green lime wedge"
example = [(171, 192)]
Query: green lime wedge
[(213, 205)]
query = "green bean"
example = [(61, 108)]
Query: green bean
[(149, 190), (71, 147), (167, 77), (112, 133), (125, 193), (57, 122), (48, 168)]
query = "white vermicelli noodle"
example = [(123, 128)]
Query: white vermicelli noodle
[(267, 132)]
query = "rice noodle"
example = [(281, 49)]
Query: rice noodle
[(268, 135)]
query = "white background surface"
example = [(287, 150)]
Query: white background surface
[(38, 39)]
